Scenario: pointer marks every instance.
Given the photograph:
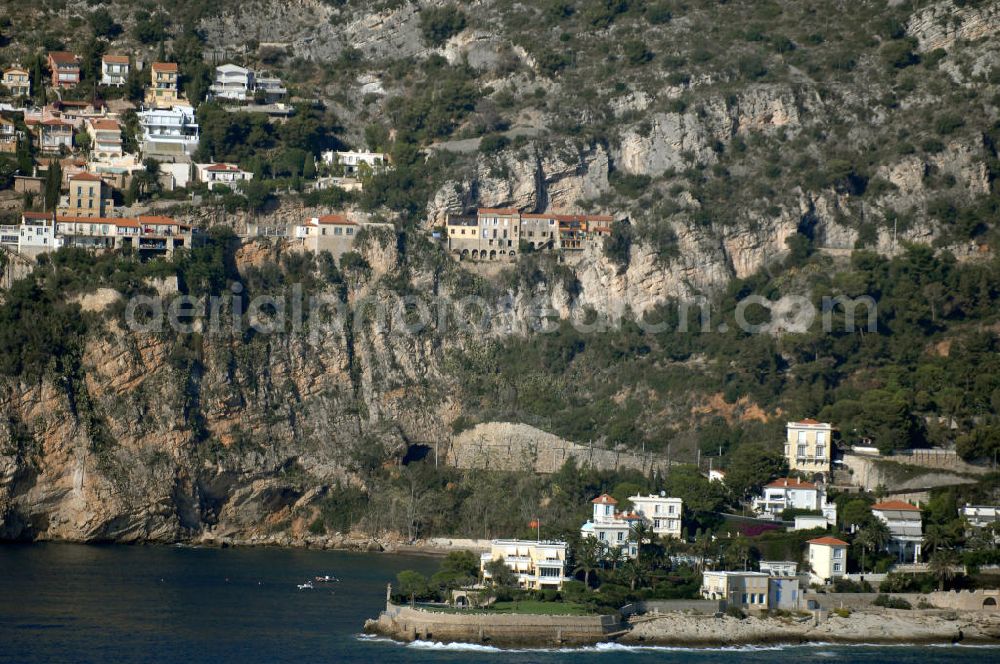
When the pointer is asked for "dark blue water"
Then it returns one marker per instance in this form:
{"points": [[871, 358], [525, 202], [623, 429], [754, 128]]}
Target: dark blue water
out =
{"points": [[67, 603]]}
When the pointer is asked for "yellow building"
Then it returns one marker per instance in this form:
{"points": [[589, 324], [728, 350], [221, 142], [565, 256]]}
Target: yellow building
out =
{"points": [[88, 196], [17, 81], [827, 559], [162, 92], [537, 565], [808, 446]]}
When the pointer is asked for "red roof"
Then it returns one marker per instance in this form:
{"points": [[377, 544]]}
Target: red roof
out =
{"points": [[165, 66], [605, 499], [36, 215], [337, 219], [157, 219], [56, 122], [809, 421], [827, 541], [498, 211], [223, 167], [895, 505], [87, 177], [116, 59], [63, 58], [790, 483], [106, 125]]}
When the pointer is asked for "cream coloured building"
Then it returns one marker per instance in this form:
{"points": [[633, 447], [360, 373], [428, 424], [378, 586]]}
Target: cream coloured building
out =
{"points": [[537, 565], [827, 559], [744, 589], [661, 512], [808, 446]]}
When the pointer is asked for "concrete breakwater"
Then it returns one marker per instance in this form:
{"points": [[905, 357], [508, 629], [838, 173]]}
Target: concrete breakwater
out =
{"points": [[405, 623]]}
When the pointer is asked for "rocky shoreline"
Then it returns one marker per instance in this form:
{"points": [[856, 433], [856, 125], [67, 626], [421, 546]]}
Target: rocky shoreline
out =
{"points": [[874, 626], [681, 629]]}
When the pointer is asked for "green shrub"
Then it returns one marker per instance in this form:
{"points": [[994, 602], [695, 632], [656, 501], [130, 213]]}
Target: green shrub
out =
{"points": [[843, 613], [439, 24], [890, 602], [735, 612]]}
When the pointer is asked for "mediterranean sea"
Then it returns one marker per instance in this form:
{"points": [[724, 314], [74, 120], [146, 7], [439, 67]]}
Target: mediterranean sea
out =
{"points": [[75, 603]]}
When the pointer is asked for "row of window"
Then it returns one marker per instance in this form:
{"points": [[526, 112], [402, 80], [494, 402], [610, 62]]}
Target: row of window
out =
{"points": [[753, 598]]}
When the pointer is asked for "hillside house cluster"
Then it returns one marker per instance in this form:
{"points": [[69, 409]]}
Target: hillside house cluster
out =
{"points": [[499, 234], [229, 175], [788, 493], [42, 232], [334, 233]]}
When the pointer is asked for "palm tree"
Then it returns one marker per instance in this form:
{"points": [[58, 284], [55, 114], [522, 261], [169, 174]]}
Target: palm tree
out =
{"points": [[634, 572], [937, 538], [703, 546], [873, 536], [640, 532], [615, 556], [588, 557], [942, 566]]}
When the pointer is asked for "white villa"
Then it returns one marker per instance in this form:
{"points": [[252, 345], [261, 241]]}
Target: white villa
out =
{"points": [[114, 70], [808, 446], [235, 83], [792, 493], [169, 132], [537, 565], [827, 559], [352, 160], [905, 526], [610, 526], [34, 235], [779, 567], [229, 175], [663, 513]]}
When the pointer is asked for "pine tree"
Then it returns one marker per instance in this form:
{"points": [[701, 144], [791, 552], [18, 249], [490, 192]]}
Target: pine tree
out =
{"points": [[53, 182]]}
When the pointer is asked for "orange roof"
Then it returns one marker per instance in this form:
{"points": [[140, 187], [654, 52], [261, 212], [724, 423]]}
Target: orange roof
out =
{"points": [[108, 125], [498, 211], [89, 220], [56, 122], [87, 177], [895, 505], [605, 499], [809, 421], [165, 66], [223, 167], [124, 223], [15, 70], [116, 59], [63, 58], [36, 215], [791, 483], [827, 541], [338, 219]]}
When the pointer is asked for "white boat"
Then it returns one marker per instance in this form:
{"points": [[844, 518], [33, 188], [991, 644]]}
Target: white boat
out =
{"points": [[306, 586]]}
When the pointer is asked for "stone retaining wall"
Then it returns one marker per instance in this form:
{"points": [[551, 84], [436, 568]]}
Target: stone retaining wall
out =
{"points": [[510, 446], [958, 600], [410, 624]]}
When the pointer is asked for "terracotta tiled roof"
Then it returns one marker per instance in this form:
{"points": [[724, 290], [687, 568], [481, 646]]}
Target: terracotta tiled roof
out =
{"points": [[56, 122], [223, 167], [809, 421], [895, 505], [337, 219], [15, 70], [106, 125], [790, 483], [63, 58], [36, 215], [827, 541], [498, 210], [605, 499], [165, 66], [86, 177], [157, 219], [116, 59]]}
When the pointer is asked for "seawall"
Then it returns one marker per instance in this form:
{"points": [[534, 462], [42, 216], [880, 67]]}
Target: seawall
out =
{"points": [[405, 623]]}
